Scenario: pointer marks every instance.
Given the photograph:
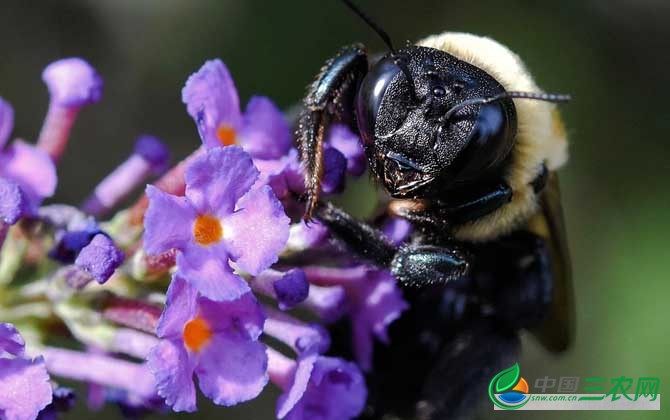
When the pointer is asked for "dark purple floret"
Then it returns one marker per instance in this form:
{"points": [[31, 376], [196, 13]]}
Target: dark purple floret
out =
{"points": [[335, 165], [153, 151], [71, 243], [291, 289]]}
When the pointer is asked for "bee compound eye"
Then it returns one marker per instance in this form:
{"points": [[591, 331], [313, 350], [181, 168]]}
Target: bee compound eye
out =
{"points": [[371, 95]]}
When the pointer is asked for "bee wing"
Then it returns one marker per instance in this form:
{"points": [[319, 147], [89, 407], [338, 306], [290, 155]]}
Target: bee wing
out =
{"points": [[556, 333]]}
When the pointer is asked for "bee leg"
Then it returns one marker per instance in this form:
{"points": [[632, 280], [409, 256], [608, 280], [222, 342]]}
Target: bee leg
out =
{"points": [[329, 98], [424, 265], [412, 265], [360, 238]]}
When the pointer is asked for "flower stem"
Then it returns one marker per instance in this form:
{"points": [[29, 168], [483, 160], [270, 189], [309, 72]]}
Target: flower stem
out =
{"points": [[100, 369], [56, 129]]}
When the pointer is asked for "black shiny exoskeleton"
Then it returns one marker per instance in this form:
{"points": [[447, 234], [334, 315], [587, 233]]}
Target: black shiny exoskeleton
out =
{"points": [[439, 131]]}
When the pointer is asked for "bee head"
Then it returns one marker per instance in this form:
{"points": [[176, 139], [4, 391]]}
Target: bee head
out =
{"points": [[424, 126]]}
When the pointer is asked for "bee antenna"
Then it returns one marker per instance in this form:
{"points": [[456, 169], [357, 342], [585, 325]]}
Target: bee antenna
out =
{"points": [[399, 59], [371, 23], [546, 97]]}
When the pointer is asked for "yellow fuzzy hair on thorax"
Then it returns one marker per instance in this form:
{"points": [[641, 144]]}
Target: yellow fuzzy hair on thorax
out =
{"points": [[540, 134]]}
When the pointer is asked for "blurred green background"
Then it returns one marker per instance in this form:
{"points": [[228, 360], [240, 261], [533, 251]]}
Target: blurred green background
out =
{"points": [[612, 55]]}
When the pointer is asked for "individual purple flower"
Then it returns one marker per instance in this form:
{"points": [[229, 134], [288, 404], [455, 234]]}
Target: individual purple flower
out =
{"points": [[262, 131], [219, 219], [374, 301], [100, 258], [72, 84], [349, 145], [24, 383], [212, 101], [289, 288], [216, 341], [26, 166], [150, 157], [317, 387]]}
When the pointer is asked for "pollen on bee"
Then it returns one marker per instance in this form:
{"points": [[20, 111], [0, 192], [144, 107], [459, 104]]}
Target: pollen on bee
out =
{"points": [[226, 135], [207, 230], [196, 333]]}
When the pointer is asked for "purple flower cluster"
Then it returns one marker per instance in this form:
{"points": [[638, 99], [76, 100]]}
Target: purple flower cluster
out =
{"points": [[220, 234]]}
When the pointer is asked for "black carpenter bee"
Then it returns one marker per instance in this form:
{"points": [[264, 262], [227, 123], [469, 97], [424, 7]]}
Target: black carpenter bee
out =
{"points": [[466, 144]]}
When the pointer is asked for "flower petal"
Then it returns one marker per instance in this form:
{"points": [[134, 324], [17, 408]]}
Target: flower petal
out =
{"points": [[211, 100], [264, 133], [173, 369], [208, 271], [232, 370], [217, 179], [241, 318], [257, 232], [10, 340], [31, 169], [168, 222], [24, 388], [180, 307], [301, 377]]}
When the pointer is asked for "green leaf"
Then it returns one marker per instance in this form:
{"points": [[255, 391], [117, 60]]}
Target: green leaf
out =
{"points": [[507, 379]]}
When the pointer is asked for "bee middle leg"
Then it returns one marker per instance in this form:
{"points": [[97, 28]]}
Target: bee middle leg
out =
{"points": [[413, 265]]}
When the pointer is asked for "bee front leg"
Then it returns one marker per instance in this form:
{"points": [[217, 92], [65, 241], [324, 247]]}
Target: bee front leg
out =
{"points": [[330, 97]]}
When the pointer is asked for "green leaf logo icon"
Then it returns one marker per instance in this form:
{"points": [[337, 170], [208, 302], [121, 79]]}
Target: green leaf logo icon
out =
{"points": [[505, 380]]}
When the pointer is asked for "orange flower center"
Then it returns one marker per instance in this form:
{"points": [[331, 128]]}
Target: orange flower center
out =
{"points": [[196, 333], [207, 230], [226, 134]]}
